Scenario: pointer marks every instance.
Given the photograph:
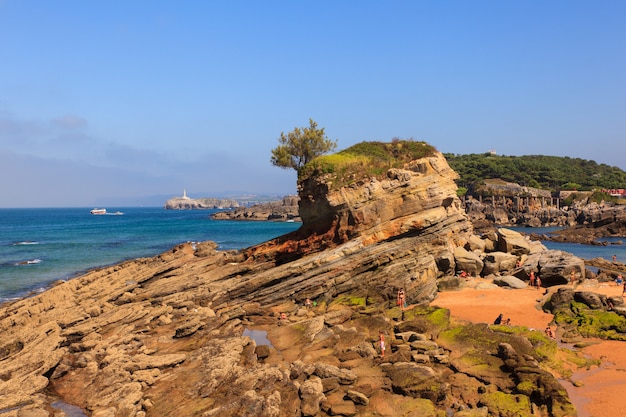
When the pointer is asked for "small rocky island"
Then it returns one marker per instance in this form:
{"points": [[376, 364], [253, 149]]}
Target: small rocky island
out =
{"points": [[177, 334], [186, 203]]}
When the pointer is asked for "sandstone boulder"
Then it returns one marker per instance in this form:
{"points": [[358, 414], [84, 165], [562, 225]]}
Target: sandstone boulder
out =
{"points": [[312, 395], [344, 376], [467, 261], [497, 262], [416, 380], [445, 262], [357, 397], [510, 281], [510, 241], [554, 266], [475, 243]]}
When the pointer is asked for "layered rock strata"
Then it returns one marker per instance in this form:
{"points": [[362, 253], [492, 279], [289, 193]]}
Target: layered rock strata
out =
{"points": [[164, 336], [590, 218]]}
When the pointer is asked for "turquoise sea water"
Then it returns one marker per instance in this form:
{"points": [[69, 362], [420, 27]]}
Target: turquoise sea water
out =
{"points": [[592, 251], [39, 246], [615, 245]]}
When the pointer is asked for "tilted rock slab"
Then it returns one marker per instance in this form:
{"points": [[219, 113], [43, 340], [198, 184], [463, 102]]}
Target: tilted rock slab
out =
{"points": [[121, 340]]}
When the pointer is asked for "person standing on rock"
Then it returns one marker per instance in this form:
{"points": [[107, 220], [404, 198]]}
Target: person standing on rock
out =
{"points": [[381, 342], [538, 281], [401, 299]]}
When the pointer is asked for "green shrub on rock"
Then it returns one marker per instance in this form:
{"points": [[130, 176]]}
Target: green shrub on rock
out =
{"points": [[506, 405], [366, 159], [593, 322]]}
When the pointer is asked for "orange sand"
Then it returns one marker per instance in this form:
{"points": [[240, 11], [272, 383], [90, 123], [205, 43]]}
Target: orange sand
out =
{"points": [[600, 394]]}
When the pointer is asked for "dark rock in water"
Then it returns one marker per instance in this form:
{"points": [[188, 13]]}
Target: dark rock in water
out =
{"points": [[283, 210], [262, 351]]}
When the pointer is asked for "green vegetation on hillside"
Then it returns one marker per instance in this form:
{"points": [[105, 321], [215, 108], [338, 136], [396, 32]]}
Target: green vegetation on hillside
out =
{"points": [[366, 159], [539, 171]]}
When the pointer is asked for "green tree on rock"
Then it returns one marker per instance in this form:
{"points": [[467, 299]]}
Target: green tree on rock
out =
{"points": [[301, 146]]}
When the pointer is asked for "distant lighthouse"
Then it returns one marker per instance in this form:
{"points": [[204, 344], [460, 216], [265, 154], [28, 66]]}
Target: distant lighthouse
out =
{"points": [[185, 194]]}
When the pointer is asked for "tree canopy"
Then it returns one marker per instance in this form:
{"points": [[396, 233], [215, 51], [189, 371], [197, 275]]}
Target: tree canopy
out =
{"points": [[539, 171], [301, 146]]}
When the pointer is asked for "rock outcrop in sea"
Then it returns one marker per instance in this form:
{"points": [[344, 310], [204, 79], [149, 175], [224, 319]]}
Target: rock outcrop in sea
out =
{"points": [[186, 203], [285, 209], [289, 327]]}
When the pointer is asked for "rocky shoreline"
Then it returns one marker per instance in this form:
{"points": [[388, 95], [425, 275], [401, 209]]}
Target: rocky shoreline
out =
{"points": [[166, 336], [283, 210]]}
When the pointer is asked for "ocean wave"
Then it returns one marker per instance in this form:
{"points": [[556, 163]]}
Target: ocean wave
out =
{"points": [[26, 242], [29, 262]]}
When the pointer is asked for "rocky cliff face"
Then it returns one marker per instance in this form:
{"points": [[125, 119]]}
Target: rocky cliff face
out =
{"points": [[406, 202], [164, 336], [506, 212], [378, 233]]}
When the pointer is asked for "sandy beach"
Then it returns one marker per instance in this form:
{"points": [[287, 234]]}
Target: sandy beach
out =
{"points": [[601, 386]]}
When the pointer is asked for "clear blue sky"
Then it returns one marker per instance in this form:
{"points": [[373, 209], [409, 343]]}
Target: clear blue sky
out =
{"points": [[111, 102]]}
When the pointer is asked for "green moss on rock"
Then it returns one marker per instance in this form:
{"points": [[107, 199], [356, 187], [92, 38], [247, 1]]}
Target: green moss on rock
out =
{"points": [[526, 388], [506, 405], [349, 300], [429, 319], [593, 322]]}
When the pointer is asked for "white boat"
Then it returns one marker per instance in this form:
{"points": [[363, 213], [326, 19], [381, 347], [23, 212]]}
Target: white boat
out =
{"points": [[98, 211]]}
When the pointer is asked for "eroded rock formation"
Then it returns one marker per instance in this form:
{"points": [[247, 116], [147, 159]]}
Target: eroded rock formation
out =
{"points": [[163, 336]]}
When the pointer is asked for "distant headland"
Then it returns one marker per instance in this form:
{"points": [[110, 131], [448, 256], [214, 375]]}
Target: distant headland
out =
{"points": [[241, 208], [186, 203]]}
